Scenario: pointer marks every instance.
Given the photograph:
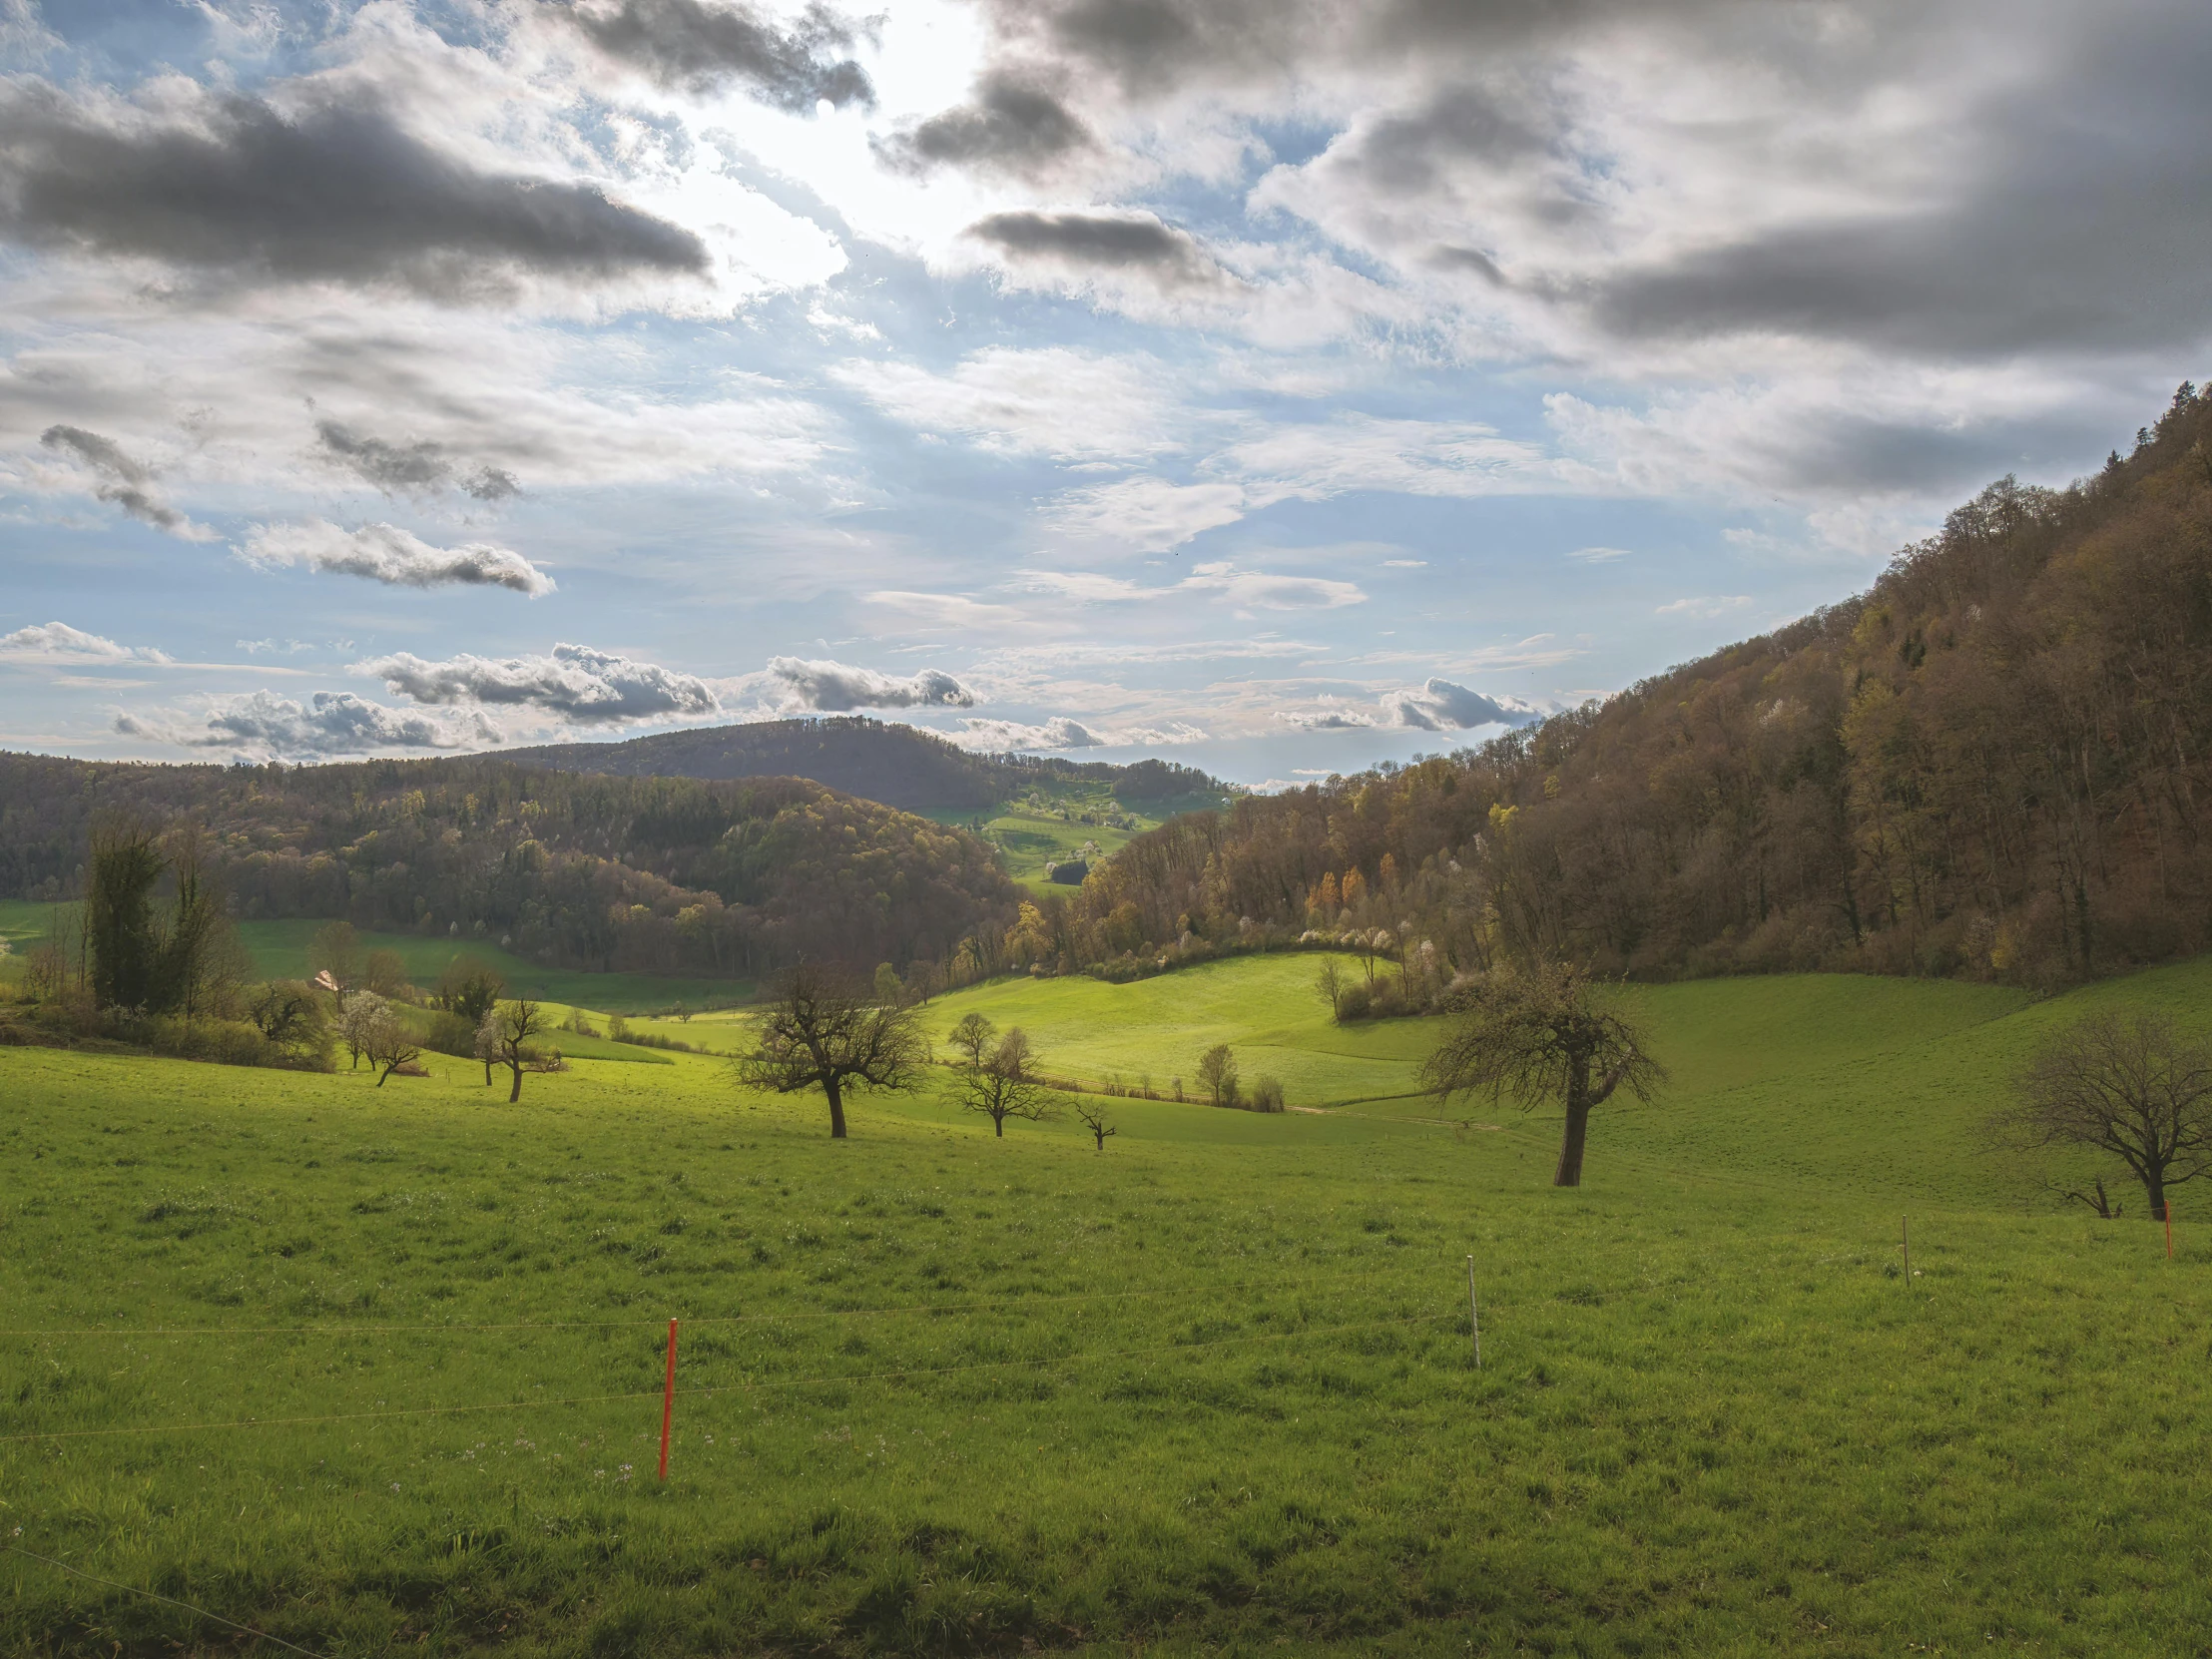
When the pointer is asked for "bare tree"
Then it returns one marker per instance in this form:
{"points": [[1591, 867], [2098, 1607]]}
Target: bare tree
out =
{"points": [[1001, 1081], [1217, 1071], [2130, 1086], [389, 1045], [823, 1033], [1545, 1035], [1329, 986], [514, 1024], [1093, 1118]]}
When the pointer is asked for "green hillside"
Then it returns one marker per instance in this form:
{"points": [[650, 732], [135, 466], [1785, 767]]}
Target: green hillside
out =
{"points": [[1206, 1391], [280, 949]]}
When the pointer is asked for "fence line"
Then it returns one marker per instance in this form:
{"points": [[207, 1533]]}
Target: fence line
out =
{"points": [[156, 1595], [729, 1388], [652, 1323]]}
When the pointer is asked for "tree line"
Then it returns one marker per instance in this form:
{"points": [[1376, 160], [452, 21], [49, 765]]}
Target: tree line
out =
{"points": [[1995, 763], [650, 874]]}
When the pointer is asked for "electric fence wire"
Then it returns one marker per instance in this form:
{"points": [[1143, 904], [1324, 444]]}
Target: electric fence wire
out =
{"points": [[156, 1595], [725, 1389], [655, 1324]]}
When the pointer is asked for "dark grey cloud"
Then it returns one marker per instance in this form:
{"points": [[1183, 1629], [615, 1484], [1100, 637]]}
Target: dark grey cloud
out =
{"points": [[334, 192], [419, 469], [124, 481], [1015, 123], [2081, 220], [330, 723], [575, 681], [694, 48], [1150, 47], [1101, 242], [397, 558], [834, 686]]}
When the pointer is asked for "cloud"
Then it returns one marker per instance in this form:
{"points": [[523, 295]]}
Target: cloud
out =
{"points": [[946, 610], [1084, 243], [1057, 733], [1436, 706], [1706, 607], [1054, 401], [419, 469], [1253, 588], [1599, 555], [1315, 460], [126, 482], [1266, 591], [1441, 706], [1148, 515], [398, 558], [836, 686], [576, 683], [330, 190], [1328, 719], [1015, 123], [327, 723], [685, 46], [57, 642]]}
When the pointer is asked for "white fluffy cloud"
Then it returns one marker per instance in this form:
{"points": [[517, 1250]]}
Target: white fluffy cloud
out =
{"points": [[398, 558], [262, 724], [574, 683], [1434, 706], [1057, 733], [834, 687], [57, 642]]}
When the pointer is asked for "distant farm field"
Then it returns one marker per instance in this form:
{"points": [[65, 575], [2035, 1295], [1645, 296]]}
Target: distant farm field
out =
{"points": [[280, 950], [370, 1368]]}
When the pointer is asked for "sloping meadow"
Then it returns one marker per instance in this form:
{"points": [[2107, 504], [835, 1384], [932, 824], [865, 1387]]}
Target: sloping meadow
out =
{"points": [[363, 1368]]}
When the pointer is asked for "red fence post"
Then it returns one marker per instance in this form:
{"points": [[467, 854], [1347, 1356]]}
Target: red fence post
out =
{"points": [[668, 1399]]}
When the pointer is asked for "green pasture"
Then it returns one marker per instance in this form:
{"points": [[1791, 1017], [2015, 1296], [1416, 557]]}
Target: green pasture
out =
{"points": [[280, 949], [371, 1369], [1045, 825]]}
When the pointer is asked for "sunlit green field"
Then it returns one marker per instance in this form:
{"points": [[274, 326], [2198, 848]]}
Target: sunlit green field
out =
{"points": [[369, 1368]]}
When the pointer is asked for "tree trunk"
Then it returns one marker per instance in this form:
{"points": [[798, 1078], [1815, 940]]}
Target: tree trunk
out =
{"points": [[837, 1108], [515, 1093], [2154, 1188], [1569, 1172], [998, 1127]]}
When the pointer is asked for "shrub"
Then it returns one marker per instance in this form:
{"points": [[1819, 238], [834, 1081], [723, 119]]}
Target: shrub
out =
{"points": [[1266, 1095]]}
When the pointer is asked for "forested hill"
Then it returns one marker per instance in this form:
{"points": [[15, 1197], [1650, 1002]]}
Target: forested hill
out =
{"points": [[1997, 762], [642, 873], [901, 766]]}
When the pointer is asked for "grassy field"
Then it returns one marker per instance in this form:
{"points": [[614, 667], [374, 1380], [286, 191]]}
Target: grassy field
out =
{"points": [[1046, 825], [370, 1368], [280, 951]]}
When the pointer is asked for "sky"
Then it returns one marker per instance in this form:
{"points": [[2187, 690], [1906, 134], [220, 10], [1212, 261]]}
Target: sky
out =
{"points": [[1272, 385]]}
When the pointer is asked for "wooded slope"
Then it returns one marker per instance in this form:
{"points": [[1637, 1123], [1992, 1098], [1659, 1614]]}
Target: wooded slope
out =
{"points": [[648, 874], [1995, 761], [901, 766]]}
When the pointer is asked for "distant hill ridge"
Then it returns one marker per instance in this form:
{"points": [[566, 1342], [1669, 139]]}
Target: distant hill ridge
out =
{"points": [[899, 766]]}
